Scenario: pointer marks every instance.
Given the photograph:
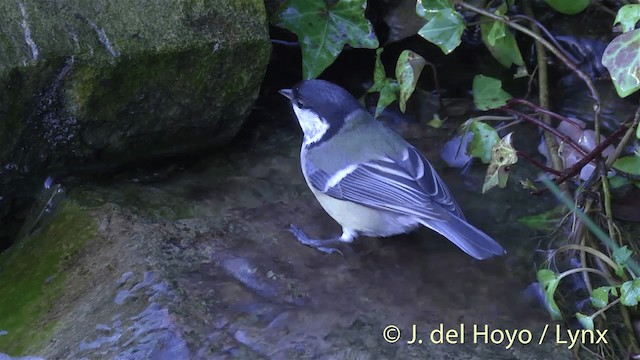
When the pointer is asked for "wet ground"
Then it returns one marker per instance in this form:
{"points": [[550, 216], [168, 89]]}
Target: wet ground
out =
{"points": [[200, 265]]}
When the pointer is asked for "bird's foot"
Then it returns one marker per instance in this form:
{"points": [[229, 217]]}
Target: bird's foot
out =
{"points": [[328, 246]]}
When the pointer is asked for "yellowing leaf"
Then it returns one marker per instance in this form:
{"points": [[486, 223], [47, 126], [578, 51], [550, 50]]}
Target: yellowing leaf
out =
{"points": [[503, 156], [408, 69]]}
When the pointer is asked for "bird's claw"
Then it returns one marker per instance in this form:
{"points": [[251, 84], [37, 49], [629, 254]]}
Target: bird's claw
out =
{"points": [[320, 245]]}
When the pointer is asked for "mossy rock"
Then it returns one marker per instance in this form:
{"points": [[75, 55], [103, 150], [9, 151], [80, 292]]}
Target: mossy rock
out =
{"points": [[33, 276], [93, 85]]}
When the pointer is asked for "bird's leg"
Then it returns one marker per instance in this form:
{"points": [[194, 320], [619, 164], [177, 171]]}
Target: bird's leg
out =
{"points": [[325, 245]]}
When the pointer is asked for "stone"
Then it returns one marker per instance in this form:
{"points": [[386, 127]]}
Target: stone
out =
{"points": [[92, 85]]}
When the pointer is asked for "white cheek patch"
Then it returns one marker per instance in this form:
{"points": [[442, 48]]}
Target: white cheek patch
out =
{"points": [[313, 126]]}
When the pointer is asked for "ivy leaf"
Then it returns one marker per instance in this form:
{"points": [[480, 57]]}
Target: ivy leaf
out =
{"points": [[568, 7], [388, 94], [387, 88], [622, 59], [444, 29], [323, 30], [620, 257], [503, 155], [628, 164], [379, 75], [547, 220], [428, 9], [500, 41], [488, 93], [436, 122], [496, 31], [630, 292], [616, 181], [628, 16], [585, 321], [408, 70], [600, 297], [549, 282], [484, 137]]}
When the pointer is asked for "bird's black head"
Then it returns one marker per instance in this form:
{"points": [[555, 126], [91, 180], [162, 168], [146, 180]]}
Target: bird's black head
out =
{"points": [[321, 107]]}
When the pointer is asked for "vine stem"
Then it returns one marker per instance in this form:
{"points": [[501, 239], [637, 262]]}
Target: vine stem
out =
{"points": [[537, 164], [575, 169], [543, 110], [625, 139], [582, 269], [590, 250], [551, 48], [548, 128], [609, 306]]}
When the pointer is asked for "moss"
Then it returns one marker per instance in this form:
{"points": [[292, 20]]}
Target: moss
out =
{"points": [[32, 276]]}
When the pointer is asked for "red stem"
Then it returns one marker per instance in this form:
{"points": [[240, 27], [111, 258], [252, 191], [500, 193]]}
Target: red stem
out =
{"points": [[547, 127], [575, 169], [538, 164], [544, 111]]}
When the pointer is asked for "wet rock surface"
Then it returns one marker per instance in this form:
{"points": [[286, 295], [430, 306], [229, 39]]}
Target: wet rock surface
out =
{"points": [[90, 86], [201, 266]]}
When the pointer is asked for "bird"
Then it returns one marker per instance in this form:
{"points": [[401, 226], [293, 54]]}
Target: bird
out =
{"points": [[368, 178]]}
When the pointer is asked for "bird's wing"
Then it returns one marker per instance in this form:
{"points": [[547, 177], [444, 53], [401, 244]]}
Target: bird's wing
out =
{"points": [[405, 184]]}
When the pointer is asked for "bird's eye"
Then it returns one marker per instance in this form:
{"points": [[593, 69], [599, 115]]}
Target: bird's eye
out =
{"points": [[301, 104]]}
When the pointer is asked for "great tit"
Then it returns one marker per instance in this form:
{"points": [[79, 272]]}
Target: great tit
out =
{"points": [[368, 178]]}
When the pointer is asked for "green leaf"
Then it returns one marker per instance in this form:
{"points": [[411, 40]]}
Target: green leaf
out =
{"points": [[638, 131], [484, 137], [431, 8], [600, 297], [628, 16], [379, 74], [436, 122], [388, 94], [500, 41], [505, 48], [621, 255], [549, 282], [585, 321], [488, 93], [408, 69], [323, 30], [503, 156], [628, 164], [622, 59], [444, 29], [630, 292], [521, 72], [388, 88], [616, 181], [545, 221], [568, 7], [497, 30]]}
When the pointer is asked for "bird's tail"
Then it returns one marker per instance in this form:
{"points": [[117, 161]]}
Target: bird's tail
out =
{"points": [[471, 240]]}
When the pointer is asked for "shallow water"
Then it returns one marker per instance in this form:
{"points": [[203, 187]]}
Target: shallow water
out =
{"points": [[197, 263], [264, 294]]}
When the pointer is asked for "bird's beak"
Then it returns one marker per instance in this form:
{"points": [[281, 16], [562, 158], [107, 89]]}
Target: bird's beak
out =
{"points": [[286, 93]]}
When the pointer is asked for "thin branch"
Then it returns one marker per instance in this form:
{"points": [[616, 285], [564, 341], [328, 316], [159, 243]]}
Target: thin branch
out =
{"points": [[550, 47], [547, 34], [575, 169], [538, 164], [543, 110], [547, 127], [625, 139]]}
